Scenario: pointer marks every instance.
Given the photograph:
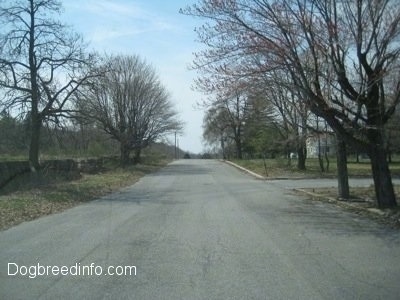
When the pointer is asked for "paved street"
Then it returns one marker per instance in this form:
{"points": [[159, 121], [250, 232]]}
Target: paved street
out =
{"points": [[201, 229]]}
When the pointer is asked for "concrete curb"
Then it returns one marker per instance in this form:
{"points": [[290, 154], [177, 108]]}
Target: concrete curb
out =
{"points": [[258, 176], [370, 210], [315, 195]]}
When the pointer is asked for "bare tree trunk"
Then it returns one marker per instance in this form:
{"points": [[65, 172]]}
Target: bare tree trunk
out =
{"points": [[125, 153], [36, 121], [389, 151], [382, 178], [301, 144], [326, 148], [287, 154], [320, 159], [223, 145], [327, 161], [138, 152], [342, 172], [384, 191], [238, 143], [239, 151], [36, 124], [301, 155]]}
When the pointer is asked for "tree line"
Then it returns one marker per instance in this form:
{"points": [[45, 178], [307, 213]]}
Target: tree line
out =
{"points": [[315, 64], [49, 80], [72, 140]]}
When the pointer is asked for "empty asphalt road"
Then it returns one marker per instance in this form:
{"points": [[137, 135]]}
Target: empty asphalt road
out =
{"points": [[201, 230]]}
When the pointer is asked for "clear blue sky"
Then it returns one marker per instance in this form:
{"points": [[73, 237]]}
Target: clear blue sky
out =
{"points": [[156, 31]]}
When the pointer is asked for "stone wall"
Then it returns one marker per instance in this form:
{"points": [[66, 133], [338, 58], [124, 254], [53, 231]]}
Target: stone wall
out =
{"points": [[11, 169]]}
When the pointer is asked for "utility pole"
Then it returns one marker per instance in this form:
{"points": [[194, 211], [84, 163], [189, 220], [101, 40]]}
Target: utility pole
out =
{"points": [[175, 145], [178, 148]]}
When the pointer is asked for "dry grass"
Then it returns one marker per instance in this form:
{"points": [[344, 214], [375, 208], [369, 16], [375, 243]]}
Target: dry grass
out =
{"points": [[57, 195]]}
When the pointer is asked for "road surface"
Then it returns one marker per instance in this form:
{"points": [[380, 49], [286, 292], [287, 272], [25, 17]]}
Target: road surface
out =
{"points": [[201, 229]]}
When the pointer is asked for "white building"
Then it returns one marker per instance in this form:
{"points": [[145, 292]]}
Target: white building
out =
{"points": [[321, 143]]}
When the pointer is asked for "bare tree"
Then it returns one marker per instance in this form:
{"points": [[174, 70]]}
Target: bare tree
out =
{"points": [[291, 114], [358, 39], [41, 64], [130, 104]]}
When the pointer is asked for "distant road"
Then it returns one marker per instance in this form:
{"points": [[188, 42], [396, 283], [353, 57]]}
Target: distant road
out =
{"points": [[200, 229]]}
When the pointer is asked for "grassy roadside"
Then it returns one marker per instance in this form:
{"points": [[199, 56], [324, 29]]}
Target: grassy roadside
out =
{"points": [[57, 195], [279, 168]]}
